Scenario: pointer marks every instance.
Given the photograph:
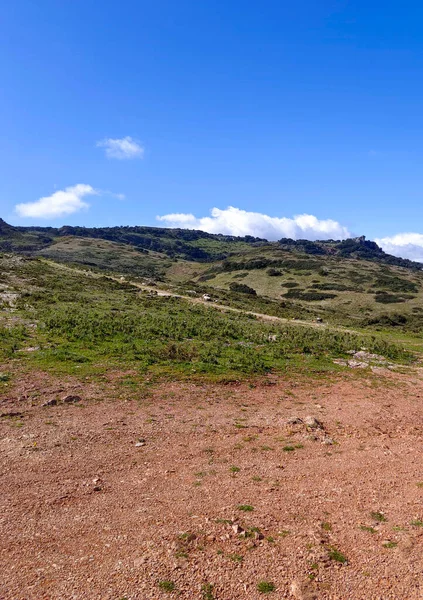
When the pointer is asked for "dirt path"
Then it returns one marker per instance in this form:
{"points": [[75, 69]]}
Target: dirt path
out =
{"points": [[224, 491], [209, 304]]}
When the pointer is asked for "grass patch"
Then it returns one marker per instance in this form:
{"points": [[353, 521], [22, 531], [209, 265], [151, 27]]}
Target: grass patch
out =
{"points": [[245, 507], [207, 591], [368, 529], [337, 556], [378, 516], [265, 587], [236, 557], [167, 586], [390, 544], [417, 523]]}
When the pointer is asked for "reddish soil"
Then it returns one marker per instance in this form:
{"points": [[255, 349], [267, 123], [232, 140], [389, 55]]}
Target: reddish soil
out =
{"points": [[87, 514]]}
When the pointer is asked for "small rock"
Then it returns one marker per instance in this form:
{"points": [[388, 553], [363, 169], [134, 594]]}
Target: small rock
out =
{"points": [[294, 421], [340, 361], [141, 442], [357, 364], [312, 422], [138, 562], [237, 528], [71, 399], [328, 441], [52, 402], [11, 414]]}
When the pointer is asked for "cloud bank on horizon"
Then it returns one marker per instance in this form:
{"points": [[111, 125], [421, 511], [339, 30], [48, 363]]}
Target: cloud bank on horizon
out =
{"points": [[405, 245], [229, 221], [234, 221], [238, 222]]}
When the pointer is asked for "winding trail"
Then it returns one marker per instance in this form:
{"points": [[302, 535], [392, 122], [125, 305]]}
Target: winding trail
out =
{"points": [[198, 300]]}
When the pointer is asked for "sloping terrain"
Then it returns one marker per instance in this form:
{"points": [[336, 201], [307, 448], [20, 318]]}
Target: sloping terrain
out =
{"points": [[155, 444], [352, 282], [77, 321]]}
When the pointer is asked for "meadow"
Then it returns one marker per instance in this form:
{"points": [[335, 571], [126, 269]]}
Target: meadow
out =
{"points": [[86, 323]]}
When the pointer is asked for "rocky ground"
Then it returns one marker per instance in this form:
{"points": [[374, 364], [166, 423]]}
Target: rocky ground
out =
{"points": [[284, 489]]}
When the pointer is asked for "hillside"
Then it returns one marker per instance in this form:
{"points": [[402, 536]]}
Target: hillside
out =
{"points": [[188, 244], [215, 437], [351, 282]]}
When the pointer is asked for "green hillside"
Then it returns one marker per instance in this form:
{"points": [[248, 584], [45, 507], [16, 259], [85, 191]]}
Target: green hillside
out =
{"points": [[351, 282], [59, 318]]}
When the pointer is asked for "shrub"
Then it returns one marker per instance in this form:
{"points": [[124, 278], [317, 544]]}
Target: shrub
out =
{"points": [[167, 586], [290, 284], [265, 587], [242, 288], [385, 298], [339, 287], [396, 284], [309, 296]]}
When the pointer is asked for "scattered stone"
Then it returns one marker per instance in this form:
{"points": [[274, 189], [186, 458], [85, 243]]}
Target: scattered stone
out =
{"points": [[237, 529], [294, 421], [328, 441], [357, 364], [141, 442], [71, 399], [52, 402], [312, 422], [363, 355]]}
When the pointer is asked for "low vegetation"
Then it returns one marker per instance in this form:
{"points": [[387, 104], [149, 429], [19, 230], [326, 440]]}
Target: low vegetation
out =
{"points": [[351, 282], [81, 321]]}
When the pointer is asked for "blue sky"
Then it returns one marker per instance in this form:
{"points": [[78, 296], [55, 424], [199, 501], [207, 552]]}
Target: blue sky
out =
{"points": [[272, 107]]}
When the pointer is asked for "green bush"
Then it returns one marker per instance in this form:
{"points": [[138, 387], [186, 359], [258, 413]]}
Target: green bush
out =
{"points": [[272, 272], [242, 288], [385, 298], [290, 284], [308, 296]]}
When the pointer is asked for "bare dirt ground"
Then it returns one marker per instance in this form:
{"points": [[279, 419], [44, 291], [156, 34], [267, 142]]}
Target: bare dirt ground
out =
{"points": [[115, 495]]}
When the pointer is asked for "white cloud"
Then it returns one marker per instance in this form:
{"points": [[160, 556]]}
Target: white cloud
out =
{"points": [[121, 148], [62, 202], [405, 245], [234, 221]]}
